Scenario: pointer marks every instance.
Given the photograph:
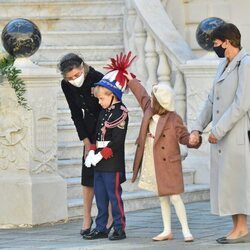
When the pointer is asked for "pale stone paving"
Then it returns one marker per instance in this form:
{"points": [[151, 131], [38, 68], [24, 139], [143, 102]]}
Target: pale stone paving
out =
{"points": [[141, 227]]}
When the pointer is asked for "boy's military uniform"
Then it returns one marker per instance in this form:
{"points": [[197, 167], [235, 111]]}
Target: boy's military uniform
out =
{"points": [[109, 155], [111, 131], [110, 171]]}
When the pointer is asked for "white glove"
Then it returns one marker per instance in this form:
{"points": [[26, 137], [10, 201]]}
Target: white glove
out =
{"points": [[96, 158], [88, 159]]}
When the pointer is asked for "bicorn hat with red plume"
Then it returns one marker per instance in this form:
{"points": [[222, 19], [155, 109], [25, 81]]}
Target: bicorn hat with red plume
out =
{"points": [[115, 80]]}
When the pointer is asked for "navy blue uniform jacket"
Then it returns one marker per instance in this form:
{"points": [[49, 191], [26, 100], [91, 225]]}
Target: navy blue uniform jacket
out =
{"points": [[113, 154]]}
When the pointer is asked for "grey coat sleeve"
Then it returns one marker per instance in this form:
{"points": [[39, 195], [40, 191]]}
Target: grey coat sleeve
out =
{"points": [[205, 116]]}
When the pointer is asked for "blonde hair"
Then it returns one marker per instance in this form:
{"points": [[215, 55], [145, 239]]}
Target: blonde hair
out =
{"points": [[100, 89], [157, 108]]}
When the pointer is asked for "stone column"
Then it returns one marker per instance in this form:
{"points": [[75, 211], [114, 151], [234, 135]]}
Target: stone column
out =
{"points": [[199, 76], [31, 191]]}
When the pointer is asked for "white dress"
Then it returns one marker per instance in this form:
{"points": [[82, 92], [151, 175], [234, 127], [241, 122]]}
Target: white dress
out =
{"points": [[147, 178]]}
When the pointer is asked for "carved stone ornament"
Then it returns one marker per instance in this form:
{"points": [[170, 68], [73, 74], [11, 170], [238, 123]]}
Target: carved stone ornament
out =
{"points": [[45, 136], [13, 132]]}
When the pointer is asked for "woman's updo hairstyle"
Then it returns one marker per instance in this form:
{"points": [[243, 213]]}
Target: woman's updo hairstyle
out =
{"points": [[69, 62]]}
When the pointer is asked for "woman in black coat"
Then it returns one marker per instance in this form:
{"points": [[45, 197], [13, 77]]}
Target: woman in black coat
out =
{"points": [[78, 87]]}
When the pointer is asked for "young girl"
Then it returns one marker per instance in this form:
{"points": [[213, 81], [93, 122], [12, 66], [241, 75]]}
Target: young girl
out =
{"points": [[158, 152]]}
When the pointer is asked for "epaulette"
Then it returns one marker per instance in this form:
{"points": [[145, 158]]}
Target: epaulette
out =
{"points": [[116, 122]]}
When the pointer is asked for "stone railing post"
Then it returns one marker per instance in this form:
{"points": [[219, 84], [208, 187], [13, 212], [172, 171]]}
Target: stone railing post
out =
{"points": [[199, 75], [129, 26], [31, 191], [140, 40], [180, 94], [151, 60], [163, 69]]}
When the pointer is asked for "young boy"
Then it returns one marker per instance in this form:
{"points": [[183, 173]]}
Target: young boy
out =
{"points": [[107, 155]]}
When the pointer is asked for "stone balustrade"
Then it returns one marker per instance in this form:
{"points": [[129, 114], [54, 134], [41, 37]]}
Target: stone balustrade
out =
{"points": [[160, 48], [164, 56]]}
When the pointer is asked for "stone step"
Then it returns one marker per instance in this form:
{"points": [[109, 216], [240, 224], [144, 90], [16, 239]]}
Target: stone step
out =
{"points": [[64, 116], [74, 188], [71, 168], [97, 65], [142, 200], [127, 98], [47, 8], [72, 150], [67, 133], [83, 38], [73, 23], [49, 1], [91, 53]]}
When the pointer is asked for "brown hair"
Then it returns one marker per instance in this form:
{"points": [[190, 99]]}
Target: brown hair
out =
{"points": [[157, 108], [227, 31]]}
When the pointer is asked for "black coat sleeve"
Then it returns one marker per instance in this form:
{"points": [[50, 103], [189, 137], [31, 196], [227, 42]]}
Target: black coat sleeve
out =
{"points": [[76, 113]]}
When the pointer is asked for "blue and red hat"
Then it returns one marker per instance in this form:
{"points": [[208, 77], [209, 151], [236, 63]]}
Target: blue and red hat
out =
{"points": [[115, 80]]}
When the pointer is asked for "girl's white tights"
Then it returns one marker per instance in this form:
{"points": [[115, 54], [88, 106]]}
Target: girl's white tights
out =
{"points": [[180, 212]]}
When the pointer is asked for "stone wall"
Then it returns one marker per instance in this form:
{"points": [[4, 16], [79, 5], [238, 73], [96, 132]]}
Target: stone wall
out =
{"points": [[187, 14]]}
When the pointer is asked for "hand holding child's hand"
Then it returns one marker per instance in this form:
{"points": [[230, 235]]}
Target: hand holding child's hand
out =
{"points": [[194, 138]]}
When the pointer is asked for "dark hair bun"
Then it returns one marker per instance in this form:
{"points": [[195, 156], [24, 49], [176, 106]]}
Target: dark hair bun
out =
{"points": [[70, 61]]}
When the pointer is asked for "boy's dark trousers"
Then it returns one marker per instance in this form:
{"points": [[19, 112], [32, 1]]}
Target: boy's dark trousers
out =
{"points": [[107, 187]]}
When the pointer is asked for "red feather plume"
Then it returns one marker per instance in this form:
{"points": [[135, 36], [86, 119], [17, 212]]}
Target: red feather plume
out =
{"points": [[121, 63]]}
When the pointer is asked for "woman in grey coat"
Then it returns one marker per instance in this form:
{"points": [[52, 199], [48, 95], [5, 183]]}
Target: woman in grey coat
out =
{"points": [[227, 107]]}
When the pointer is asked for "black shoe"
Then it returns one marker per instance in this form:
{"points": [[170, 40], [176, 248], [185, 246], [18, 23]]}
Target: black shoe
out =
{"points": [[109, 229], [221, 238], [118, 235], [95, 234], [242, 239], [86, 231]]}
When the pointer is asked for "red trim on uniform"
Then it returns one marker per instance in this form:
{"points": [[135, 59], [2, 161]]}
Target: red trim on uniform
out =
{"points": [[118, 197], [92, 147], [106, 153]]}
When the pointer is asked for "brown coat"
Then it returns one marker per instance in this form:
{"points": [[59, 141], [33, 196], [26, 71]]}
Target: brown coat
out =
{"points": [[169, 132]]}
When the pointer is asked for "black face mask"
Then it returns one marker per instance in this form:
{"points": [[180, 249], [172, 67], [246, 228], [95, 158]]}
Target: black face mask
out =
{"points": [[219, 51]]}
